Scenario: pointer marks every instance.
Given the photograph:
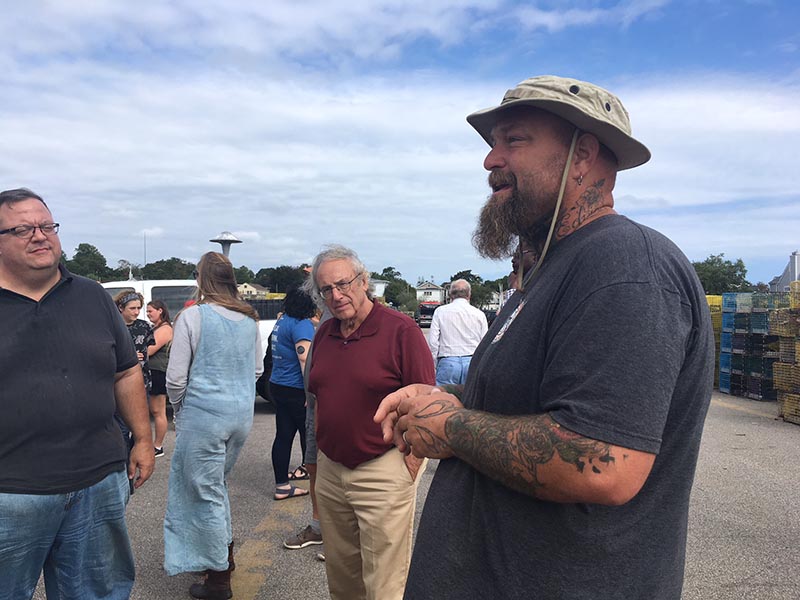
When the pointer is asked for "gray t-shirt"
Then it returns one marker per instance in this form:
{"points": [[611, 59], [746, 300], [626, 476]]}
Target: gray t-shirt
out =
{"points": [[613, 338]]}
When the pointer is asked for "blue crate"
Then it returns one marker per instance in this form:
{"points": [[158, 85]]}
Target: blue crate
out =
{"points": [[741, 302], [728, 321], [725, 383], [729, 302], [759, 323], [726, 342], [725, 362]]}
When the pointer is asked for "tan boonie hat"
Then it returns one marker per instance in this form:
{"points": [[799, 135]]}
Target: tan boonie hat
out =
{"points": [[585, 105]]}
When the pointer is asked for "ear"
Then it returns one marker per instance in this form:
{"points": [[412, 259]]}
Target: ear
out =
{"points": [[587, 151]]}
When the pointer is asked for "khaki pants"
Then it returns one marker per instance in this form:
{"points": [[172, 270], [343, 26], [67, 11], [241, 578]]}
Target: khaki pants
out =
{"points": [[367, 519]]}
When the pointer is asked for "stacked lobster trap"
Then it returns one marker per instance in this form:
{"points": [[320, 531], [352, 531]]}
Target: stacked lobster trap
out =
{"points": [[760, 348], [785, 323]]}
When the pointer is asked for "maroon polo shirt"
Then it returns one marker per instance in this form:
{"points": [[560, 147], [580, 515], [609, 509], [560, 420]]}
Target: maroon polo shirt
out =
{"points": [[350, 376]]}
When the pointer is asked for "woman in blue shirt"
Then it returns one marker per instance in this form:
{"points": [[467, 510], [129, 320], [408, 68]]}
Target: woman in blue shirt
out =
{"points": [[291, 340]]}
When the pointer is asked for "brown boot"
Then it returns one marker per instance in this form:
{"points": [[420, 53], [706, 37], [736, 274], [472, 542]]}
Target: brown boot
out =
{"points": [[231, 564], [217, 586]]}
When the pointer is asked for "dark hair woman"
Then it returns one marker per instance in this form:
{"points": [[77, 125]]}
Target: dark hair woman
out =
{"points": [[290, 341], [158, 354], [130, 304], [214, 362]]}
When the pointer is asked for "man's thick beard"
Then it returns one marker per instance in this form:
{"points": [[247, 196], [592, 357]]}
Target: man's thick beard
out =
{"points": [[502, 223]]}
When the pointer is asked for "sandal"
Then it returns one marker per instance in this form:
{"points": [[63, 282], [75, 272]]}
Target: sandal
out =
{"points": [[291, 492], [299, 474]]}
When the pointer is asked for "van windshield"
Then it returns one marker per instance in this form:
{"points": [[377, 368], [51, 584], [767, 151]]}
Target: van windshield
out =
{"points": [[174, 296], [427, 309]]}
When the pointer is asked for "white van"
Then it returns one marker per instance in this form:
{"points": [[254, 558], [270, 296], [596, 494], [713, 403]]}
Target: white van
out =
{"points": [[174, 293]]}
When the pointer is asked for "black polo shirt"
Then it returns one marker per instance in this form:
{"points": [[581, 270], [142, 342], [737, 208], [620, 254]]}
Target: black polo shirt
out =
{"points": [[58, 360]]}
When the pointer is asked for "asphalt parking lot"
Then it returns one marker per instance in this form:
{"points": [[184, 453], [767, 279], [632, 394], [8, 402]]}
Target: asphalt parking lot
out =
{"points": [[744, 534]]}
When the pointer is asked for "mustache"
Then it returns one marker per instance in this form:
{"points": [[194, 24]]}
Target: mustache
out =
{"points": [[497, 179]]}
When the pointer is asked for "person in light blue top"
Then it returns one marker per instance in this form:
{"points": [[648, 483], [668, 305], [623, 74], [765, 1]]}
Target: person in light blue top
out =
{"points": [[214, 362], [291, 341]]}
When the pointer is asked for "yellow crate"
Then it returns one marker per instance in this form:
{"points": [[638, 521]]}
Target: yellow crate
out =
{"points": [[794, 294], [785, 377], [784, 322], [790, 408], [786, 350]]}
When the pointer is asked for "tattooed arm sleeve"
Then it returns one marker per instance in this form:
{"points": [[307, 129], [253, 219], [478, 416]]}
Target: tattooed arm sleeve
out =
{"points": [[536, 456]]}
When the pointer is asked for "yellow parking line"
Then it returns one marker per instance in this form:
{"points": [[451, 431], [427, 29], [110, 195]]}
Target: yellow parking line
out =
{"points": [[254, 556]]}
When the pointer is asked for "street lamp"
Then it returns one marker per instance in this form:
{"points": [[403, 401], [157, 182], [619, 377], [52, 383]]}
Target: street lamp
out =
{"points": [[225, 239]]}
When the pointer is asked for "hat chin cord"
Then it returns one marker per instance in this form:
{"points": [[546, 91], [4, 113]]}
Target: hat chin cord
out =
{"points": [[540, 260]]}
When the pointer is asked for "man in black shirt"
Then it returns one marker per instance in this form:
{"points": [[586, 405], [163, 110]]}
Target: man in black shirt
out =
{"points": [[567, 470], [67, 363]]}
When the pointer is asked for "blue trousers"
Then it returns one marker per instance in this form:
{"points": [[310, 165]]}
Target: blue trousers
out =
{"points": [[452, 369], [79, 539]]}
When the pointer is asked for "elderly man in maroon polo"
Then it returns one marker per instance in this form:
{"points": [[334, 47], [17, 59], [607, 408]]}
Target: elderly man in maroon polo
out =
{"points": [[366, 488]]}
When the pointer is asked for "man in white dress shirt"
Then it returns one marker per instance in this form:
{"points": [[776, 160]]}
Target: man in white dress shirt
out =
{"points": [[456, 330]]}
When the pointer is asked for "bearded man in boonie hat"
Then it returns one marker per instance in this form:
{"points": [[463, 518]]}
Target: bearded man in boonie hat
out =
{"points": [[567, 459]]}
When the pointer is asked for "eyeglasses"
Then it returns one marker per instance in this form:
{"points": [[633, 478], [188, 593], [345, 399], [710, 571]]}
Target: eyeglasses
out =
{"points": [[195, 273], [27, 231], [343, 287]]}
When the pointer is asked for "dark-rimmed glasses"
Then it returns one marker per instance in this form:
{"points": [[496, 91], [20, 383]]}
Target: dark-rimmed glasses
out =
{"points": [[27, 231], [342, 287]]}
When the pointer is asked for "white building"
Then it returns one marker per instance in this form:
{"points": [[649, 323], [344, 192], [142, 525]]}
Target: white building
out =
{"points": [[790, 273], [430, 292], [252, 291], [378, 287]]}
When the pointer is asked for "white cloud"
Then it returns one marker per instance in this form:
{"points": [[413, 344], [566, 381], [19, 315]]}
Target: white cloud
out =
{"points": [[359, 29], [195, 121], [563, 16]]}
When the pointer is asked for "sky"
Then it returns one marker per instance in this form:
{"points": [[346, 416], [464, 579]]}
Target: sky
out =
{"points": [[151, 127]]}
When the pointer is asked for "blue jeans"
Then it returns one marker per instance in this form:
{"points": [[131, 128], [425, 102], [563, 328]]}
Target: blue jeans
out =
{"points": [[80, 540], [452, 369]]}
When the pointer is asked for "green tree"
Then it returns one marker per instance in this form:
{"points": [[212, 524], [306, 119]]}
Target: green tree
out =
{"points": [[125, 270], [169, 268], [280, 279], [89, 262], [399, 293], [469, 276], [244, 275], [390, 274], [718, 275]]}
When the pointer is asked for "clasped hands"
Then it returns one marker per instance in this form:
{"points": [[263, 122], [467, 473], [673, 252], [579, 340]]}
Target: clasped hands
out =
{"points": [[414, 418]]}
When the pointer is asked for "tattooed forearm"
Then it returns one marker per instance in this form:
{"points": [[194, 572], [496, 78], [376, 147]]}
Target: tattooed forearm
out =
{"points": [[512, 449]]}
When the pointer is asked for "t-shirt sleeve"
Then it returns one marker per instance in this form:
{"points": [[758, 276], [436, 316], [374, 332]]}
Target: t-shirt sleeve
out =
{"points": [[613, 362], [303, 331], [416, 357], [259, 354], [186, 332]]}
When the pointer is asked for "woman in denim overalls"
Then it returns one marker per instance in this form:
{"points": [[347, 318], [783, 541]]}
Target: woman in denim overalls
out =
{"points": [[214, 362]]}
